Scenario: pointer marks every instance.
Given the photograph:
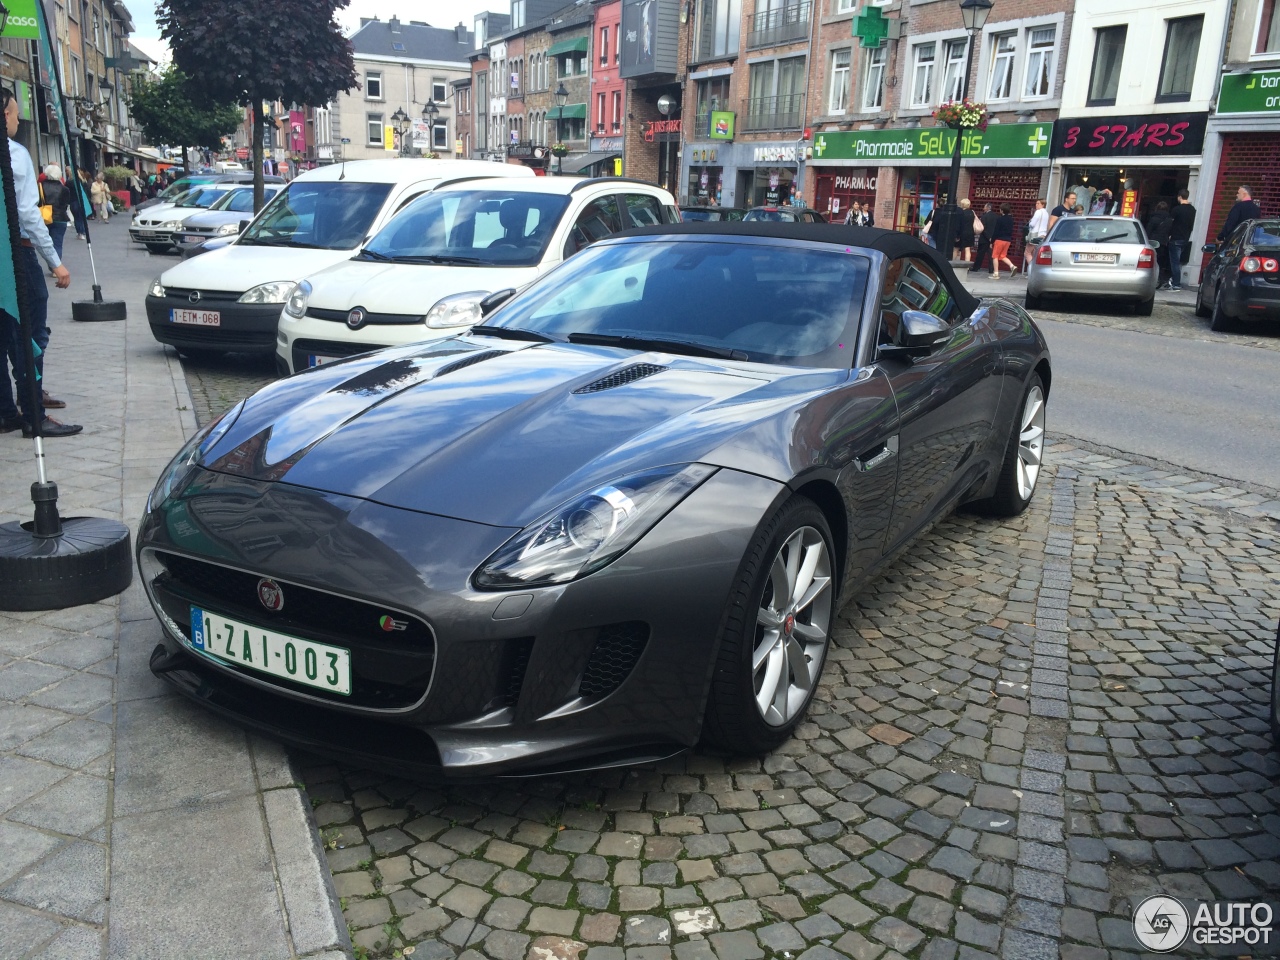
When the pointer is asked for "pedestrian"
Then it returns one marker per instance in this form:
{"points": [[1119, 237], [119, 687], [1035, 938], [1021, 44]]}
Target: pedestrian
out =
{"points": [[1184, 219], [54, 193], [1064, 209], [1001, 239], [853, 214], [34, 239], [926, 231], [966, 231], [1078, 211], [868, 217], [100, 197], [1159, 225], [1037, 230], [1245, 208], [988, 223]]}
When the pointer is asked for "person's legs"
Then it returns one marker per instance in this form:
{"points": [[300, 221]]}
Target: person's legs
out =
{"points": [[1175, 263], [999, 255], [38, 302], [57, 233]]}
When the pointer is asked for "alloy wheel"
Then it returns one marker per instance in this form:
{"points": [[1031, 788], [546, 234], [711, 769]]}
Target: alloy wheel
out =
{"points": [[1031, 442], [792, 626]]}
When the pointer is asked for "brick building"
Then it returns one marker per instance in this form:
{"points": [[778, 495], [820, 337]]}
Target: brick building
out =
{"points": [[653, 64], [607, 110]]}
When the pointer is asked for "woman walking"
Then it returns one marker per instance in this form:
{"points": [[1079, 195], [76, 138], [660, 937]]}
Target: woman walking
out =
{"points": [[100, 197], [1000, 242], [965, 231], [1037, 230], [54, 193]]}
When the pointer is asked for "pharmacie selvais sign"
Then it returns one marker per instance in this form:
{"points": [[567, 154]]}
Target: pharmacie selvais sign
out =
{"points": [[1000, 141]]}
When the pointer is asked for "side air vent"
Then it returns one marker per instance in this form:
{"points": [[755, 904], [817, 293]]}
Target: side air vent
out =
{"points": [[467, 361], [618, 647], [637, 371]]}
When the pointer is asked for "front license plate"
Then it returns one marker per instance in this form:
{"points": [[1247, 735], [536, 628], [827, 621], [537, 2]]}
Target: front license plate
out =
{"points": [[315, 359], [1095, 257], [196, 318], [302, 661]]}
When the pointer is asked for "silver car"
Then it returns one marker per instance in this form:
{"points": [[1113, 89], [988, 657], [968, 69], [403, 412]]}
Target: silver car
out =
{"points": [[1095, 257], [223, 219]]}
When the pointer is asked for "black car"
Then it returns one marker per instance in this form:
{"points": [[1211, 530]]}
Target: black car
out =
{"points": [[616, 517], [712, 214], [784, 215], [1241, 281]]}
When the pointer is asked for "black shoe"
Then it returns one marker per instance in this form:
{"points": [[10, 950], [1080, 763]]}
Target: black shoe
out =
{"points": [[9, 424], [52, 428]]}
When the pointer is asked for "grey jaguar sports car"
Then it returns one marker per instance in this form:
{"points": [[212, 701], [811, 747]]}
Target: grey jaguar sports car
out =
{"points": [[614, 518]]}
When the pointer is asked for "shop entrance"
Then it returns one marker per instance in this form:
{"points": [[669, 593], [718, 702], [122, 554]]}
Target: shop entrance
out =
{"points": [[836, 192], [705, 186], [772, 187], [1135, 191], [917, 193]]}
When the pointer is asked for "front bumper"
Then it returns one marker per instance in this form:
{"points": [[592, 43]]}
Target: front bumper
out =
{"points": [[1085, 281], [150, 235], [311, 341], [514, 680], [243, 327]]}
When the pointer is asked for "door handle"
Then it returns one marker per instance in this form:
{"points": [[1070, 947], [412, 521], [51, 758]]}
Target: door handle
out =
{"points": [[878, 454]]}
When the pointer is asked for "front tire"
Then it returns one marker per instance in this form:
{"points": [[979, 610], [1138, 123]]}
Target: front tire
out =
{"points": [[776, 632], [1020, 469]]}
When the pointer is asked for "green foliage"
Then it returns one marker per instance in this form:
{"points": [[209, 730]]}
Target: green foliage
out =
{"points": [[117, 177], [170, 109]]}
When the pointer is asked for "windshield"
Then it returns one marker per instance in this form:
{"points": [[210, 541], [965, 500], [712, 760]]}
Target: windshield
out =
{"points": [[476, 227], [1096, 230], [324, 214], [241, 201], [772, 216], [202, 197], [181, 186], [768, 302]]}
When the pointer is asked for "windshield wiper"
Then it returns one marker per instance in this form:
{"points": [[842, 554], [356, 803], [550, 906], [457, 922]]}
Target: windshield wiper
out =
{"points": [[1115, 236], [373, 255], [657, 343], [256, 242], [437, 258], [512, 333]]}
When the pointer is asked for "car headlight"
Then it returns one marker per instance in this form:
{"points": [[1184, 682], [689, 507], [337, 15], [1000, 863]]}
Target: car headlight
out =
{"points": [[277, 291], [156, 289], [227, 229], [297, 304], [589, 531], [459, 310], [190, 454], [171, 225]]}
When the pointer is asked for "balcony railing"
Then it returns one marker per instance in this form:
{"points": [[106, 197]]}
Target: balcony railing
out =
{"points": [[776, 113], [781, 25]]}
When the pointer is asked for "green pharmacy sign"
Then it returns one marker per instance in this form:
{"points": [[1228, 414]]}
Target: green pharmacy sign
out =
{"points": [[1257, 92], [721, 127], [24, 20], [1000, 141], [871, 27]]}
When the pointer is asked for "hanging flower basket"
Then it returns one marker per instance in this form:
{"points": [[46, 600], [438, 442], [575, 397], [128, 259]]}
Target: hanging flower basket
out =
{"points": [[559, 149], [966, 114]]}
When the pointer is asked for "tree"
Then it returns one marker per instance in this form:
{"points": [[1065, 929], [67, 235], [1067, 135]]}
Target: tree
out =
{"points": [[248, 52], [169, 109]]}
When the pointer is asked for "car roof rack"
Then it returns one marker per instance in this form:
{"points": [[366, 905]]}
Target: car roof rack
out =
{"points": [[592, 181]]}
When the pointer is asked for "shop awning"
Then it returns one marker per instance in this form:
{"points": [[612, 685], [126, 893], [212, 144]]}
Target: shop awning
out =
{"points": [[576, 45], [570, 111], [578, 164]]}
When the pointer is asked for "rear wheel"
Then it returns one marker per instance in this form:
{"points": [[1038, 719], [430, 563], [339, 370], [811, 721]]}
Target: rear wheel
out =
{"points": [[1143, 307], [776, 632], [1020, 470], [1220, 322], [1201, 309]]}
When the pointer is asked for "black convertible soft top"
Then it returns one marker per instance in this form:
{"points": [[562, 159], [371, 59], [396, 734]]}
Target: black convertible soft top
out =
{"points": [[889, 242]]}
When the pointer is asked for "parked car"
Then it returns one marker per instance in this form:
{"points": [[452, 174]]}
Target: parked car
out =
{"points": [[429, 270], [223, 219], [230, 299], [154, 227], [784, 215], [1241, 281], [1095, 256], [185, 183], [618, 516], [714, 214]]}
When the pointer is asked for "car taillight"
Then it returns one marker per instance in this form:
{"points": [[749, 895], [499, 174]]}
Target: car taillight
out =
{"points": [[1147, 258], [1044, 255], [1260, 265]]}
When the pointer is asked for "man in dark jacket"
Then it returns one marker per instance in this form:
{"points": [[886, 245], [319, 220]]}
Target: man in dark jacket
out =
{"points": [[988, 221], [1243, 209], [1159, 225], [1184, 219]]}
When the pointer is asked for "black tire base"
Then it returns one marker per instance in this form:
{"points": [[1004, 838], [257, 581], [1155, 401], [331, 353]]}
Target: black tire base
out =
{"points": [[96, 311], [89, 562]]}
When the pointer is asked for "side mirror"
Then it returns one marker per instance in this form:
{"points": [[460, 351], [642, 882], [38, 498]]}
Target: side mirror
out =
{"points": [[1209, 248], [494, 300], [244, 225], [918, 333]]}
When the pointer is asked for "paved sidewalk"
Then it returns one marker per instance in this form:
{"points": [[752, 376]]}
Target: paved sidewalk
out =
{"points": [[133, 825]]}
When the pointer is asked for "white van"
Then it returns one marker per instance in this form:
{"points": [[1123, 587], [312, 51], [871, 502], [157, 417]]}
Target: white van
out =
{"points": [[230, 299]]}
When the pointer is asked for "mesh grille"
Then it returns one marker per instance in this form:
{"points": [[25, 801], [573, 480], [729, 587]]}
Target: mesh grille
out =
{"points": [[518, 651], [637, 371], [209, 296], [617, 649], [480, 357]]}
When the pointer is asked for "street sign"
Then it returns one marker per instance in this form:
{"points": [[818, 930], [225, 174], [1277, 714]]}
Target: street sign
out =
{"points": [[345, 140]]}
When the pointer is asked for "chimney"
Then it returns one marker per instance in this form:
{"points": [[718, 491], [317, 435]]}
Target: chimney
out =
{"points": [[395, 24], [461, 31]]}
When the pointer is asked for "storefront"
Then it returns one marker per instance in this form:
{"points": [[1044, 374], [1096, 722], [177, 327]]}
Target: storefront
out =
{"points": [[835, 193], [704, 180], [771, 179], [744, 174]]}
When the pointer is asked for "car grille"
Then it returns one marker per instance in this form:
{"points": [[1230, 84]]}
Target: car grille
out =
{"points": [[619, 378], [370, 319], [206, 296], [389, 670], [618, 646]]}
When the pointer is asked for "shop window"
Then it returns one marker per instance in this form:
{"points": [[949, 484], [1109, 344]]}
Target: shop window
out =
{"points": [[838, 99], [373, 85], [873, 79], [374, 123], [1041, 62], [1004, 47], [1108, 54], [1268, 38], [1178, 69], [922, 76], [953, 77]]}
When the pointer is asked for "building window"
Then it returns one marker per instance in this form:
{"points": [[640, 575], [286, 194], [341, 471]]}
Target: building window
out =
{"points": [[373, 85], [1108, 54], [374, 122], [838, 99], [517, 14], [439, 91], [843, 6], [922, 77], [953, 78], [604, 46], [1178, 69], [873, 80], [1268, 41], [1000, 86], [440, 136], [718, 28], [617, 110], [1041, 62], [600, 116]]}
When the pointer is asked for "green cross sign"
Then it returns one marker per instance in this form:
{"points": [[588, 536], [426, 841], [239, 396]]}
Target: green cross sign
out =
{"points": [[820, 146], [1037, 140], [871, 27]]}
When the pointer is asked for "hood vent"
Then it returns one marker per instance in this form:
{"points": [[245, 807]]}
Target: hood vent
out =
{"points": [[467, 361], [619, 378]]}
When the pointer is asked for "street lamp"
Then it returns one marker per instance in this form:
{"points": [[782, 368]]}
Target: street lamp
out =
{"points": [[429, 114], [974, 13], [561, 96], [401, 120]]}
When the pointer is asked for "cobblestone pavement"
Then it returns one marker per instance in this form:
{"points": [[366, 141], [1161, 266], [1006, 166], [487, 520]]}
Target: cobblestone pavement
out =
{"points": [[1024, 728], [1170, 320]]}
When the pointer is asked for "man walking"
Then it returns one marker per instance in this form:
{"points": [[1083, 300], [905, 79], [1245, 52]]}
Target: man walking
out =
{"points": [[1243, 209], [35, 237], [1184, 218]]}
